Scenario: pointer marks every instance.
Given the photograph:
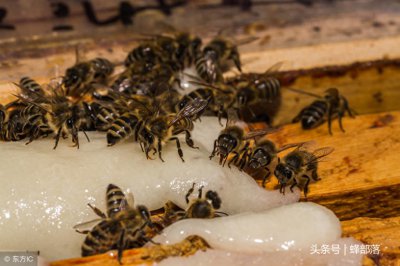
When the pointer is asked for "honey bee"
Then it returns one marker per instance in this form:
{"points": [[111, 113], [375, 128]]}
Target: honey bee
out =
{"points": [[234, 140], [262, 155], [220, 96], [63, 114], [209, 63], [202, 208], [121, 228], [157, 130], [299, 168], [333, 104], [145, 52], [259, 92], [84, 73]]}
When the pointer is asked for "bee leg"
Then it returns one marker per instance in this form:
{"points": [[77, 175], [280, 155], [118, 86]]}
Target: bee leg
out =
{"points": [[214, 150], [57, 138], [330, 120], [200, 192], [97, 211], [141, 145], [159, 150], [266, 177], [190, 191], [84, 232], [234, 159], [178, 145], [340, 116], [220, 113], [347, 107], [121, 246], [282, 189], [306, 186], [314, 175], [292, 186], [189, 140], [87, 137]]}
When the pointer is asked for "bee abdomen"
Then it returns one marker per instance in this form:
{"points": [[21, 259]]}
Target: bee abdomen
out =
{"points": [[102, 67], [269, 89], [314, 114], [97, 241], [115, 198], [105, 118], [30, 85], [122, 128]]}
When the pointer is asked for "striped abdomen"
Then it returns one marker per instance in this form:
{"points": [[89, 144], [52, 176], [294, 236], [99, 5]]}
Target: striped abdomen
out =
{"points": [[122, 128], [143, 53], [314, 114], [103, 237], [102, 68], [29, 85], [104, 118], [115, 200], [269, 89], [207, 68]]}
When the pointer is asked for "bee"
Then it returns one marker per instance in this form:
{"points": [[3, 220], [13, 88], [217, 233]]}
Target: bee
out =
{"points": [[233, 140], [82, 74], [299, 168], [121, 228], [331, 105], [146, 52], [263, 155], [221, 97], [257, 91], [123, 127], [157, 130], [201, 208], [209, 63], [65, 114]]}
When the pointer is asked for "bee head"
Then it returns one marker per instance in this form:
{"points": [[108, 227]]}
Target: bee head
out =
{"points": [[283, 173], [226, 144], [214, 198], [201, 209], [259, 159]]}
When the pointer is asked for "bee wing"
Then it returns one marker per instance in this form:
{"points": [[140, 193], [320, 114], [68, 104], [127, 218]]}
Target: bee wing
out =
{"points": [[319, 154], [130, 200], [274, 68], [232, 117], [87, 225], [259, 133], [192, 108], [291, 145]]}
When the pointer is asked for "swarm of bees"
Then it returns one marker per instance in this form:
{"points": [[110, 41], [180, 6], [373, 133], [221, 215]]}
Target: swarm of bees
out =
{"points": [[147, 103]]}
